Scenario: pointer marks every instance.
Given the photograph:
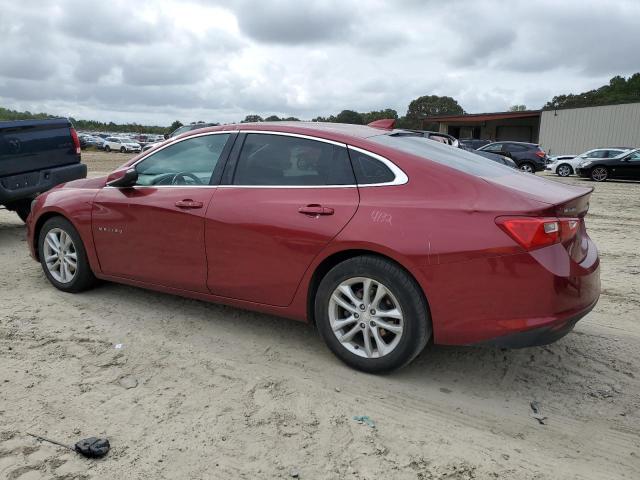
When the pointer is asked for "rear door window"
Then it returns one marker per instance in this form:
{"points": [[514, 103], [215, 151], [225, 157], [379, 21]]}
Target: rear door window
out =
{"points": [[282, 160], [496, 147]]}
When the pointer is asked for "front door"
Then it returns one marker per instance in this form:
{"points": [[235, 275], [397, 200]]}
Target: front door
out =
{"points": [[288, 198], [154, 231], [629, 167]]}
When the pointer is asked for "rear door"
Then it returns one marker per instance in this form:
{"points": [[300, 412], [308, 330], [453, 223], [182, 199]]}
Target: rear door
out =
{"points": [[286, 197]]}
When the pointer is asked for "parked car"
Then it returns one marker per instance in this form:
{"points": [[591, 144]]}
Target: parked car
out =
{"points": [[437, 136], [529, 157], [495, 157], [188, 128], [452, 141], [35, 156], [123, 145], [149, 146], [567, 166], [563, 161], [473, 143], [626, 166], [383, 242]]}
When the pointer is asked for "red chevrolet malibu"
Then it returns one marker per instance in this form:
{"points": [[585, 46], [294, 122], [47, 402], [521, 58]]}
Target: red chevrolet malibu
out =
{"points": [[382, 240]]}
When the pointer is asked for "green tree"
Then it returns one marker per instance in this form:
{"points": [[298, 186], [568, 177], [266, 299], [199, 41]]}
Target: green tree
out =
{"points": [[252, 119], [619, 90], [272, 118], [379, 115], [349, 116], [517, 108], [428, 106]]}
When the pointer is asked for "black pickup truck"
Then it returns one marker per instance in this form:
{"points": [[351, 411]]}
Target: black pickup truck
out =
{"points": [[35, 156]]}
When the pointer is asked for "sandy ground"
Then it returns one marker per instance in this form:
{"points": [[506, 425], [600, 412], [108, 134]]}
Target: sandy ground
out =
{"points": [[204, 391]]}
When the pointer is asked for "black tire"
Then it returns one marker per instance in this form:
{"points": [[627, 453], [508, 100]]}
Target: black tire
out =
{"points": [[107, 148], [417, 322], [527, 167], [22, 208], [123, 150], [84, 278], [564, 172], [599, 174]]}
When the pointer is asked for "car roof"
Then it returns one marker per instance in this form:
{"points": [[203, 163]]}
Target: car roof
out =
{"points": [[513, 141], [319, 129]]}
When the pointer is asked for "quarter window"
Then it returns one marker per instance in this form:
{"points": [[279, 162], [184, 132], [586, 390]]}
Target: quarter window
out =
{"points": [[370, 170], [189, 162], [280, 160]]}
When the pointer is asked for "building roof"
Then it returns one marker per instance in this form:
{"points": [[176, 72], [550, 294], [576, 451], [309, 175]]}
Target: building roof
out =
{"points": [[483, 117]]}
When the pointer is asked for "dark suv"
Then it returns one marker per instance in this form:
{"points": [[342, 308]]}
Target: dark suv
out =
{"points": [[528, 156]]}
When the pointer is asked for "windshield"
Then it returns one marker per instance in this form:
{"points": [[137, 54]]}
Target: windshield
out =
{"points": [[453, 157]]}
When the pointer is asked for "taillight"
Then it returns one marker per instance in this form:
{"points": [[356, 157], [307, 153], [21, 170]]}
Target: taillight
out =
{"points": [[76, 140], [541, 153], [537, 232]]}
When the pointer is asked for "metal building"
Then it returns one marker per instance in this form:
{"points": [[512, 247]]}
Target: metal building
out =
{"points": [[520, 126], [577, 130]]}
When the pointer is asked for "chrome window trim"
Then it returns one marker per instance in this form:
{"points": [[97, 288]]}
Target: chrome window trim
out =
{"points": [[400, 177]]}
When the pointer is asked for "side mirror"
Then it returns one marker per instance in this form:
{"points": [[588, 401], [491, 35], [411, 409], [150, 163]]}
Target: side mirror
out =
{"points": [[123, 178]]}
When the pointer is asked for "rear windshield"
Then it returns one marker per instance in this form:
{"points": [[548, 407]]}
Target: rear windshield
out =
{"points": [[453, 157]]}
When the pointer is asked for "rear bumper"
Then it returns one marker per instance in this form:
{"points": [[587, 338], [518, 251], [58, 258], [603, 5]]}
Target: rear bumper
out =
{"points": [[522, 299], [27, 185], [538, 336]]}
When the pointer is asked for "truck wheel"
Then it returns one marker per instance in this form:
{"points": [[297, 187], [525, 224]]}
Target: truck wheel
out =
{"points": [[63, 256], [107, 148], [372, 314], [23, 210]]}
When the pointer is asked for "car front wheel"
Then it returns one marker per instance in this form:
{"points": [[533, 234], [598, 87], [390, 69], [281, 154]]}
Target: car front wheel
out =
{"points": [[564, 170], [599, 174], [372, 314], [107, 148], [123, 150], [63, 256]]}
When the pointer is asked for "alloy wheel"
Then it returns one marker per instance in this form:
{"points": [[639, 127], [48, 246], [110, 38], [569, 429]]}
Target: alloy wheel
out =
{"points": [[564, 170], [599, 174], [60, 255], [527, 168], [366, 317]]}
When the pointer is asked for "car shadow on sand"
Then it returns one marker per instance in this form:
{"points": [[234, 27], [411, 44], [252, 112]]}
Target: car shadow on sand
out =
{"points": [[482, 370]]}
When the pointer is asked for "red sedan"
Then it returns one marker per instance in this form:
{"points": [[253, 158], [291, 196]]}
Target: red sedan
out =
{"points": [[382, 240]]}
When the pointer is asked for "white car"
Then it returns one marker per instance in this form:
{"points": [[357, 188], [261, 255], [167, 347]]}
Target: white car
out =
{"points": [[123, 145], [565, 165]]}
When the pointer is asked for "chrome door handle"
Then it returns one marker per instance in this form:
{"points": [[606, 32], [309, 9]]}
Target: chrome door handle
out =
{"points": [[188, 204], [314, 210]]}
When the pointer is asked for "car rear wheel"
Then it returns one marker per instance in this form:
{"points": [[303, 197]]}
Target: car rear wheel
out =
{"points": [[107, 148], [63, 256], [599, 174], [564, 170], [372, 314], [527, 167]]}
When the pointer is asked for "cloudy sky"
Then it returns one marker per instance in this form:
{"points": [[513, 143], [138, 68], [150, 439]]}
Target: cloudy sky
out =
{"points": [[154, 61]]}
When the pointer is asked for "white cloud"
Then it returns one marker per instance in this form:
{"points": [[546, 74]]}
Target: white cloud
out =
{"points": [[154, 61]]}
